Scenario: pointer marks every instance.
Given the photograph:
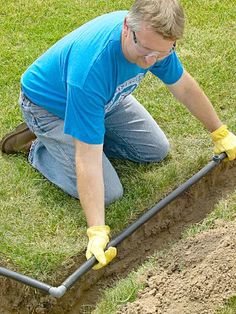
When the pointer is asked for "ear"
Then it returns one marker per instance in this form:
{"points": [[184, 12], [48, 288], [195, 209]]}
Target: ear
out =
{"points": [[125, 27]]}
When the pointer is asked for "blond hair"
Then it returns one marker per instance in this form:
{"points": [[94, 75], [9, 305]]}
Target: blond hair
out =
{"points": [[165, 17]]}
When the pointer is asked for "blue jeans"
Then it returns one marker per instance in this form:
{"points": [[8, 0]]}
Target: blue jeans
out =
{"points": [[131, 133]]}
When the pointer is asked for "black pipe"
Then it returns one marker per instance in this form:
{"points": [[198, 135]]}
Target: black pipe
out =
{"points": [[165, 201], [69, 282], [145, 217], [24, 279]]}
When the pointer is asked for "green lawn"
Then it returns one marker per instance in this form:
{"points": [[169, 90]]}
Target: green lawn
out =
{"points": [[229, 308], [41, 227]]}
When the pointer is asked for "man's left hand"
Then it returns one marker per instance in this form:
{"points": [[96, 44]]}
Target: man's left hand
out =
{"points": [[224, 141]]}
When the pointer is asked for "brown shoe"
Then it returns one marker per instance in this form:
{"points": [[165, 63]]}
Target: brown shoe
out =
{"points": [[17, 141]]}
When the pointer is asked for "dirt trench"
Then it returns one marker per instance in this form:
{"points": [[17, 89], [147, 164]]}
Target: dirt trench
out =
{"points": [[166, 227]]}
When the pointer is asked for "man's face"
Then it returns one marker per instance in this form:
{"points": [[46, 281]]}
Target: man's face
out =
{"points": [[145, 47]]}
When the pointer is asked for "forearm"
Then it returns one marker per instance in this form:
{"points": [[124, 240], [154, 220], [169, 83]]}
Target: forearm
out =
{"points": [[90, 182], [188, 92], [91, 194], [89, 169]]}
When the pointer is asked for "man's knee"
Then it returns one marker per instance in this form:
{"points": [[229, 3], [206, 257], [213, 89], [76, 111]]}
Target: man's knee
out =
{"points": [[113, 193], [156, 152], [162, 150]]}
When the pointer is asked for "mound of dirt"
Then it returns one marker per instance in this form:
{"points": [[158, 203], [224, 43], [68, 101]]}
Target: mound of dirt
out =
{"points": [[196, 275]]}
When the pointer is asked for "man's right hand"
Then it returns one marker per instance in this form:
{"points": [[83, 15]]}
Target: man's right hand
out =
{"points": [[98, 239], [224, 141]]}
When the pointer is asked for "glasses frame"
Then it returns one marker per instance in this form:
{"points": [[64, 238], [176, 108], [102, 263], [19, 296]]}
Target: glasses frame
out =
{"points": [[153, 53]]}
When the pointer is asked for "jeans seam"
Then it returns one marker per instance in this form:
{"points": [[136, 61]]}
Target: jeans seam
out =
{"points": [[67, 158]]}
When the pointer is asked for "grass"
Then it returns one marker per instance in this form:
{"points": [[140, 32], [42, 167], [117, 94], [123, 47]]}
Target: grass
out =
{"points": [[229, 307], [225, 210], [41, 227], [126, 290]]}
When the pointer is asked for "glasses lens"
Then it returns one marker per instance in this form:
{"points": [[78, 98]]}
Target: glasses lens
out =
{"points": [[154, 53]]}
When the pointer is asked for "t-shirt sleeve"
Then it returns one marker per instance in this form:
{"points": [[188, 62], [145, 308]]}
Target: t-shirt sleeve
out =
{"points": [[84, 116], [169, 69]]}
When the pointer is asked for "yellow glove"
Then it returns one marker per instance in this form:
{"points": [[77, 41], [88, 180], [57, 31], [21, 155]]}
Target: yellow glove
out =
{"points": [[224, 141], [98, 239]]}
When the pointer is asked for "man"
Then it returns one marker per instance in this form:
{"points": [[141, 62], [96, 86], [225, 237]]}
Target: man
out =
{"points": [[76, 100]]}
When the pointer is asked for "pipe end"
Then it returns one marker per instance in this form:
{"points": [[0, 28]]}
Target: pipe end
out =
{"points": [[57, 292], [216, 159]]}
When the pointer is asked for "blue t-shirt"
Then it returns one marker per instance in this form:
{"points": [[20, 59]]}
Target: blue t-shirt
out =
{"points": [[85, 75]]}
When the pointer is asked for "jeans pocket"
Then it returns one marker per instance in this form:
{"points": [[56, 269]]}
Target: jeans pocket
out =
{"points": [[38, 119], [26, 112], [43, 119]]}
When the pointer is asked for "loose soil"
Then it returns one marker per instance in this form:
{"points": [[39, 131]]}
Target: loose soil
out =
{"points": [[196, 276], [157, 234]]}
